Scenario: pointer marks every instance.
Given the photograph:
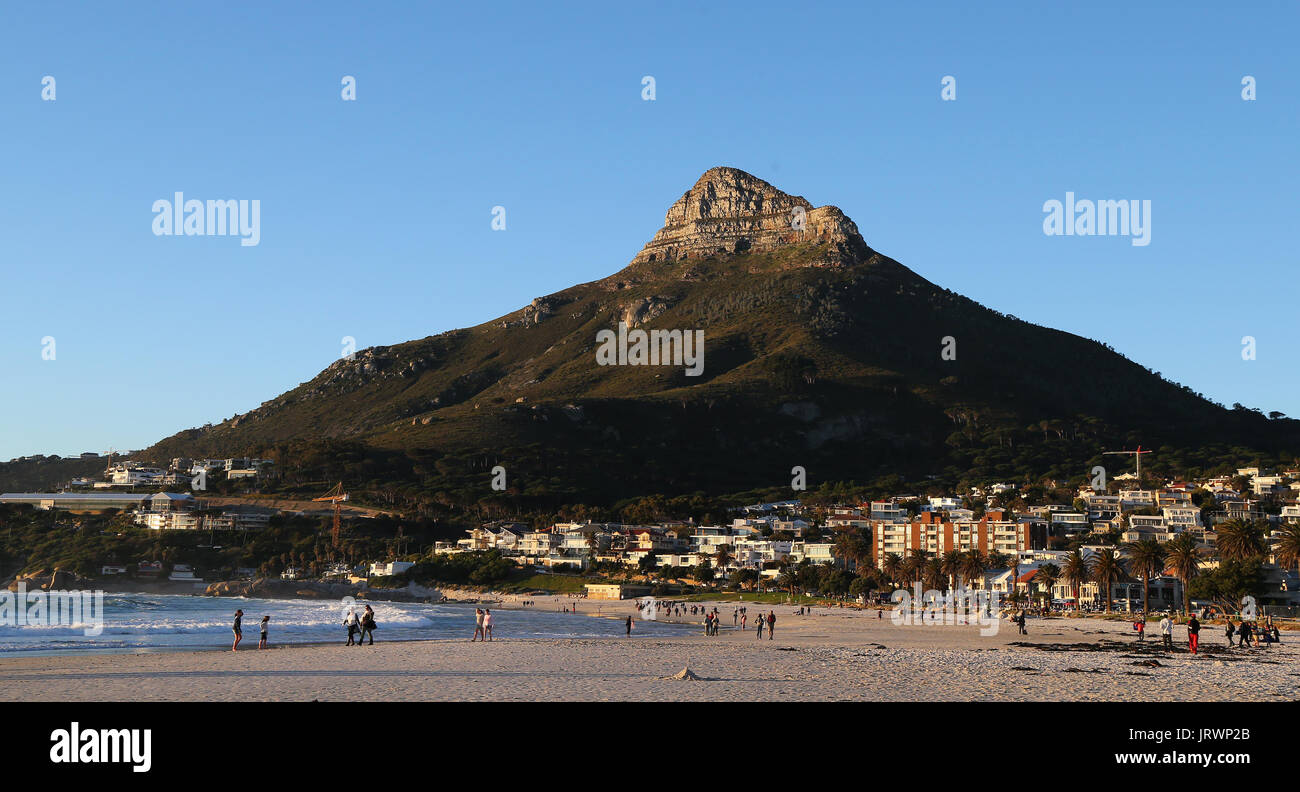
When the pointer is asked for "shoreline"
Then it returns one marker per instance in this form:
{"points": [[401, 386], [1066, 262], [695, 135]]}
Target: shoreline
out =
{"points": [[831, 654]]}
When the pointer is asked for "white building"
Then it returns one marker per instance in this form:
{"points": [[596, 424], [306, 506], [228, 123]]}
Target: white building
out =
{"points": [[390, 568]]}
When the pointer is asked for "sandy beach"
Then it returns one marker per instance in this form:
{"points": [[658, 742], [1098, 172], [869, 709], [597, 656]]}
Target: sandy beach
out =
{"points": [[831, 655]]}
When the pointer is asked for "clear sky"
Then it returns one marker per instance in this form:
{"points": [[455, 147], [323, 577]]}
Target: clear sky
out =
{"points": [[376, 213]]}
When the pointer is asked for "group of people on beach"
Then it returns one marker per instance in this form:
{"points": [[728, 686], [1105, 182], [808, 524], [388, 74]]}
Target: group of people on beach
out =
{"points": [[238, 628], [482, 625], [359, 627], [1248, 633], [1167, 631]]}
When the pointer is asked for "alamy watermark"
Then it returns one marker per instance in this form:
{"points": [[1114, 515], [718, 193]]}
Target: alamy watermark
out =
{"points": [[179, 217], [77, 744], [651, 348], [960, 606], [1084, 217], [23, 608]]}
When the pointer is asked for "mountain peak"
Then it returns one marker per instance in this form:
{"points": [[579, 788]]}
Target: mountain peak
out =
{"points": [[729, 211]]}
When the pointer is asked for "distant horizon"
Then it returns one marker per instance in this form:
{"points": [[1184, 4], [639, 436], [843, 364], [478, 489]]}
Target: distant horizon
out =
{"points": [[372, 217]]}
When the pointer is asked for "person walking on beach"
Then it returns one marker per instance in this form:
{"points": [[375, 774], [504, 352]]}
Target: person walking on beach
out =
{"points": [[1243, 634], [743, 619], [1167, 631], [487, 624], [262, 643], [1141, 626], [1228, 631], [238, 627], [760, 626], [771, 624], [367, 626], [478, 624], [629, 626], [1193, 633], [351, 622]]}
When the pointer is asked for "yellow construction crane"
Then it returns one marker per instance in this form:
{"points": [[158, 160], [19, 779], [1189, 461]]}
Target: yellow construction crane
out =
{"points": [[334, 496]]}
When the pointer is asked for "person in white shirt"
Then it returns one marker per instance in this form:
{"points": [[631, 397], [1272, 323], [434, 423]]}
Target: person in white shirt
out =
{"points": [[487, 625], [1167, 631]]}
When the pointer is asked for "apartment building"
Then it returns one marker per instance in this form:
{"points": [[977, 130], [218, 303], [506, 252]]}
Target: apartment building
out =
{"points": [[991, 534]]}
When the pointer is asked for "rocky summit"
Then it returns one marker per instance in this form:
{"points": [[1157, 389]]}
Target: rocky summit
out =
{"points": [[729, 211], [820, 353]]}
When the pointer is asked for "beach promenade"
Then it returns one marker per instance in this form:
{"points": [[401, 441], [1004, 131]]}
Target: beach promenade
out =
{"points": [[831, 655]]}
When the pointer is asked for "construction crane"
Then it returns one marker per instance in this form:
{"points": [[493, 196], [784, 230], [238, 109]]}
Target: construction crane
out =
{"points": [[334, 496], [1136, 455]]}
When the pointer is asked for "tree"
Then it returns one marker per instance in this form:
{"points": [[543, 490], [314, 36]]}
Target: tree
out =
{"points": [[1286, 545], [1146, 558], [1045, 578], [974, 565], [862, 585], [1076, 572], [933, 573], [745, 577], [787, 579], [837, 582], [723, 555], [850, 546], [1239, 540], [950, 564], [914, 566], [1227, 585], [892, 567], [1106, 568], [998, 560], [647, 563], [1185, 558]]}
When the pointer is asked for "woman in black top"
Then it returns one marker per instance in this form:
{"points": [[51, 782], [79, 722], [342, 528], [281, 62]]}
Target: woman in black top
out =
{"points": [[239, 630], [367, 626]]}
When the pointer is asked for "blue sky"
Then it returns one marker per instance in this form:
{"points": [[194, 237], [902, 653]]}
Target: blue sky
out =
{"points": [[376, 214]]}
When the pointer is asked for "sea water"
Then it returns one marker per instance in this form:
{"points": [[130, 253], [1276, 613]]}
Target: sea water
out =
{"points": [[154, 622]]}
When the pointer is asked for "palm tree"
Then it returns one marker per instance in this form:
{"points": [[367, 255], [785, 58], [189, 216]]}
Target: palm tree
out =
{"points": [[1286, 545], [1146, 558], [1077, 572], [787, 579], [1185, 557], [850, 546], [998, 560], [933, 573], [915, 564], [892, 567], [1046, 577], [1106, 568], [723, 556], [1239, 540], [951, 566], [974, 565]]}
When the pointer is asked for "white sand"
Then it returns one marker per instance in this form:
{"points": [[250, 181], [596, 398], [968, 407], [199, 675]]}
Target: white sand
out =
{"points": [[831, 655]]}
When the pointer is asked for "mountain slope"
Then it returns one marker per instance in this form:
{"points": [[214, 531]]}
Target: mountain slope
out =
{"points": [[819, 352]]}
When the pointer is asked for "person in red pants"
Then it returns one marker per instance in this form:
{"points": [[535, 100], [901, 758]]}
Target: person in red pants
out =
{"points": [[1193, 633]]}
